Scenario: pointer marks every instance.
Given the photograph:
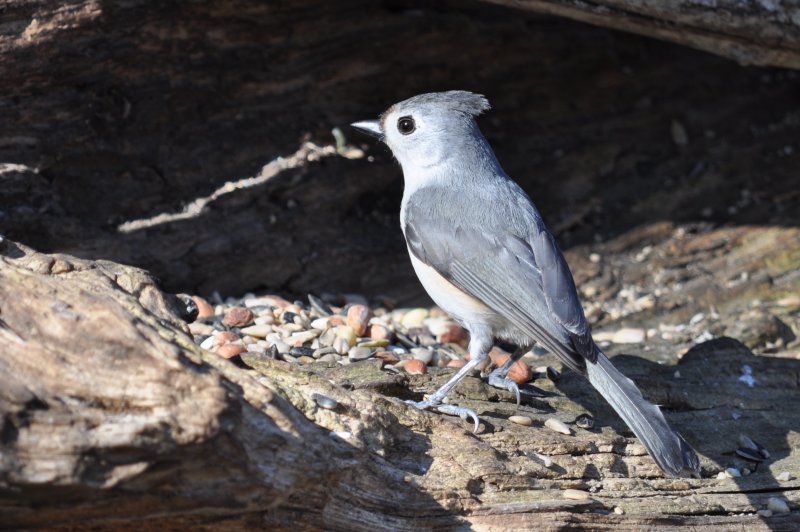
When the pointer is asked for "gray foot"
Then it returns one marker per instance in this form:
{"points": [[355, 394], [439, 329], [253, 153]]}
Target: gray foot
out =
{"points": [[498, 379], [453, 410]]}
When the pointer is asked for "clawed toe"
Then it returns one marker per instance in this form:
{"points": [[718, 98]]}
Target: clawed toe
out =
{"points": [[504, 383], [453, 410]]}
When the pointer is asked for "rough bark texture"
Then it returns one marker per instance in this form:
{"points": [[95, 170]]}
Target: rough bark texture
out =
{"points": [[763, 33], [111, 417], [129, 131], [116, 113]]}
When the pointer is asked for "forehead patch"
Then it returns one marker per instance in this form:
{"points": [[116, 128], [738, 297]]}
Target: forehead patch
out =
{"points": [[460, 101]]}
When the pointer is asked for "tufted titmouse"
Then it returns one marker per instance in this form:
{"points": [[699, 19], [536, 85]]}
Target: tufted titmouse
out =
{"points": [[481, 250]]}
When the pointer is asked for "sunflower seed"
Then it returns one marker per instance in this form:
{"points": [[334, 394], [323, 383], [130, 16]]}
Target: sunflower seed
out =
{"points": [[750, 454], [328, 403], [556, 425], [319, 306], [584, 421], [748, 443]]}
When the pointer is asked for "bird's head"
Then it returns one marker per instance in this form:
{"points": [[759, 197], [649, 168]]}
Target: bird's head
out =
{"points": [[428, 129]]}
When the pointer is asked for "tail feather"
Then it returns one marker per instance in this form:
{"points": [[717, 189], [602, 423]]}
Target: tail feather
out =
{"points": [[668, 448]]}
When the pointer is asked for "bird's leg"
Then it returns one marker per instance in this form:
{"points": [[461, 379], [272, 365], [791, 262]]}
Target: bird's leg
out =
{"points": [[479, 346], [499, 377]]}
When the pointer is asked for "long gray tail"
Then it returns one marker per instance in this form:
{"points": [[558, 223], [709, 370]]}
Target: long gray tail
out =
{"points": [[668, 448]]}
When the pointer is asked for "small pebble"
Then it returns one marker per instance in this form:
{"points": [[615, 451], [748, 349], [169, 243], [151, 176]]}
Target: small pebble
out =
{"points": [[282, 347], [584, 421], [785, 476], [387, 356], [328, 403], [777, 505], [258, 331], [374, 343], [359, 353], [358, 317], [200, 329], [556, 425], [422, 354], [256, 348], [553, 374], [321, 323], [618, 510], [546, 460], [208, 343], [498, 356], [204, 308], [230, 350], [319, 306], [238, 317], [264, 320], [288, 317], [457, 363], [455, 334], [577, 495], [299, 338], [340, 345], [379, 332], [347, 332], [301, 351], [721, 475], [289, 358], [415, 318], [305, 359], [330, 357], [733, 472], [272, 352], [764, 513], [520, 372], [521, 420], [415, 367], [629, 336]]}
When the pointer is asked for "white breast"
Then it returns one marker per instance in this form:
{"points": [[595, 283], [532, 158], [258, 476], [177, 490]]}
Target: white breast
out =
{"points": [[461, 306]]}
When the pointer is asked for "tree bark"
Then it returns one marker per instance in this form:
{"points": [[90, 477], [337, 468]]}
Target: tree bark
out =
{"points": [[124, 123], [752, 33], [112, 417]]}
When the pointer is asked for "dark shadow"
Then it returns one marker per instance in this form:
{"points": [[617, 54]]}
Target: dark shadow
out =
{"points": [[710, 406], [124, 120]]}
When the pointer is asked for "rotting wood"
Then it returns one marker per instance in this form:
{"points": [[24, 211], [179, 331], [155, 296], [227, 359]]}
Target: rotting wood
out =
{"points": [[111, 416]]}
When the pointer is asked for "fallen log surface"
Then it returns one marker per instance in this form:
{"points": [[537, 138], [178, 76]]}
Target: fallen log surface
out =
{"points": [[752, 33], [112, 416]]}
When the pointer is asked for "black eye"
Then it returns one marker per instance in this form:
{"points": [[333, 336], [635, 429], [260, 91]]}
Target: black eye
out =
{"points": [[406, 125]]}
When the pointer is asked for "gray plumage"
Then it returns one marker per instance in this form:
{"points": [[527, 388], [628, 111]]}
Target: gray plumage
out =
{"points": [[484, 254]]}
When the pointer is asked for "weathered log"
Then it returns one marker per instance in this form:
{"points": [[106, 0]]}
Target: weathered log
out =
{"points": [[116, 114], [753, 33], [112, 416]]}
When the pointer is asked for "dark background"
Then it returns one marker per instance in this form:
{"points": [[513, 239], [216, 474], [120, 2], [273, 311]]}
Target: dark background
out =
{"points": [[137, 109]]}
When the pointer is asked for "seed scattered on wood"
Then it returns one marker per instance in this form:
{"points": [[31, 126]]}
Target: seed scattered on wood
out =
{"points": [[733, 472], [556, 425], [584, 421], [777, 505], [748, 443], [521, 420], [328, 403], [577, 495]]}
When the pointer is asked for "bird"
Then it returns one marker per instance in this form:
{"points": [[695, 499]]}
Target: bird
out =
{"points": [[483, 253]]}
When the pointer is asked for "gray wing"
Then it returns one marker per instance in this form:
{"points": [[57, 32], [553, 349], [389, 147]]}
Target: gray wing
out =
{"points": [[522, 277]]}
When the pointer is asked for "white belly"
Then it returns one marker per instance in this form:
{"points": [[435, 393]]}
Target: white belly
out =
{"points": [[463, 307]]}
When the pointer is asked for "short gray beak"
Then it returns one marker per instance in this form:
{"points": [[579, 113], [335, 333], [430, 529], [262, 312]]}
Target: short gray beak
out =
{"points": [[370, 127]]}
